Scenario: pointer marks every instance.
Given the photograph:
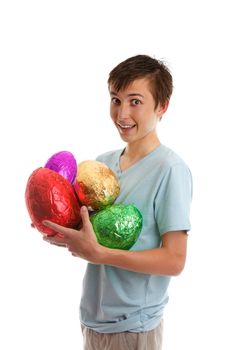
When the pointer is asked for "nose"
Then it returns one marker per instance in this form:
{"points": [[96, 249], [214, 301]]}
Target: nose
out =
{"points": [[123, 112]]}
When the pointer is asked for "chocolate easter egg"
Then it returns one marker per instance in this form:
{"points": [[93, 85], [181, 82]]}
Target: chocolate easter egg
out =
{"points": [[117, 226], [64, 163], [49, 196], [96, 184]]}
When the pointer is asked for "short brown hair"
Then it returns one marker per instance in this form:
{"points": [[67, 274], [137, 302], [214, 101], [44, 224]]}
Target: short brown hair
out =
{"points": [[143, 66]]}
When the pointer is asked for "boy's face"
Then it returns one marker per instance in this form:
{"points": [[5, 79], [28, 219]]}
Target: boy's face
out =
{"points": [[133, 110]]}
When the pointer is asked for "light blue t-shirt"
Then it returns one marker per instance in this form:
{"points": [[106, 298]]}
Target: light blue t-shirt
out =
{"points": [[117, 300]]}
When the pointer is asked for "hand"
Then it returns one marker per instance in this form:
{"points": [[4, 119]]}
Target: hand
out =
{"points": [[59, 245], [81, 243]]}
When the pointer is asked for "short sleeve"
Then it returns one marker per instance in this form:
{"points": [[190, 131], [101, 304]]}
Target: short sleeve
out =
{"points": [[173, 200], [99, 158]]}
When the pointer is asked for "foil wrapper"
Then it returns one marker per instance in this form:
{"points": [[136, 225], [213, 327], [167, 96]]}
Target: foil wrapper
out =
{"points": [[49, 196], [96, 185], [117, 226], [64, 163]]}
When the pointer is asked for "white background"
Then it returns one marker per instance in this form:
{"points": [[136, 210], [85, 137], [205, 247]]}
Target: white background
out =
{"points": [[54, 63]]}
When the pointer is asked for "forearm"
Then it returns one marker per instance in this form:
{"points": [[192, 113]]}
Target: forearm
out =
{"points": [[159, 261]]}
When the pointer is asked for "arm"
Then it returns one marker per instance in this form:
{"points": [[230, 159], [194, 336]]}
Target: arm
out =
{"points": [[169, 259]]}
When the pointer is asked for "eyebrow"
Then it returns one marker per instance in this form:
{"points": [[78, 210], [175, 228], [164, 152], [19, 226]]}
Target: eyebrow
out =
{"points": [[129, 95]]}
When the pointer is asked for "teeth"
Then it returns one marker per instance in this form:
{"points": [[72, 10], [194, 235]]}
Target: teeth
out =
{"points": [[125, 126]]}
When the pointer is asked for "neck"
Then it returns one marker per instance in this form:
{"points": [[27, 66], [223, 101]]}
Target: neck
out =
{"points": [[142, 147]]}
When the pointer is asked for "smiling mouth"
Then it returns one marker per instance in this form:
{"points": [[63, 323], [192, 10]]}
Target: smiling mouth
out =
{"points": [[126, 126]]}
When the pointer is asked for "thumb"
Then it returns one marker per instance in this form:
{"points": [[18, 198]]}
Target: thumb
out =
{"points": [[85, 218]]}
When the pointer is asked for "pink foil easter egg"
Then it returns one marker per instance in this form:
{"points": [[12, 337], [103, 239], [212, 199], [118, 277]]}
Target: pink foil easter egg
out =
{"points": [[63, 163]]}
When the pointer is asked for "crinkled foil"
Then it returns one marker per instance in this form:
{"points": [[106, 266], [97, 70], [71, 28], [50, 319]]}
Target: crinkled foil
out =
{"points": [[49, 196], [64, 164], [96, 184], [117, 226]]}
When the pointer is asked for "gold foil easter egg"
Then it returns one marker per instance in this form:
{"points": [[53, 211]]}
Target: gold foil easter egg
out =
{"points": [[96, 185]]}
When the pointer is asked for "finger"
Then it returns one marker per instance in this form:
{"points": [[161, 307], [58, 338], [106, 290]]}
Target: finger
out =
{"points": [[57, 228], [56, 240], [74, 254], [85, 218], [62, 245]]}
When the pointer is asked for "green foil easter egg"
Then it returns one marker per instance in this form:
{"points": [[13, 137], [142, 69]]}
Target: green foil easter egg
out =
{"points": [[117, 226]]}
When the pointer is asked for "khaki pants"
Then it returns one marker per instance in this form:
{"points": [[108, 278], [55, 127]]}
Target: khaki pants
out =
{"points": [[151, 340]]}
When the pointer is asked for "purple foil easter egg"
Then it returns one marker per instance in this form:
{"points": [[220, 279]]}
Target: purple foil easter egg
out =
{"points": [[64, 164]]}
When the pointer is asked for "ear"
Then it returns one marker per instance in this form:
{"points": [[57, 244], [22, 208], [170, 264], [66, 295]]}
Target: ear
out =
{"points": [[162, 109]]}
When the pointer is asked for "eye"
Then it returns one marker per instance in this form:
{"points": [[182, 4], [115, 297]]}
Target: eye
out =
{"points": [[135, 102], [115, 101]]}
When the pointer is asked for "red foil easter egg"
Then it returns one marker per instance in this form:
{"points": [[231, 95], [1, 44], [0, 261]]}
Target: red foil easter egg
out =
{"points": [[49, 196]]}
